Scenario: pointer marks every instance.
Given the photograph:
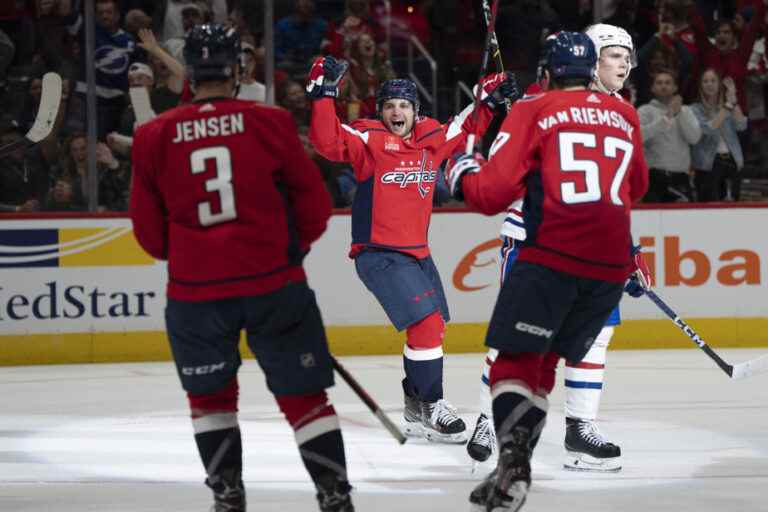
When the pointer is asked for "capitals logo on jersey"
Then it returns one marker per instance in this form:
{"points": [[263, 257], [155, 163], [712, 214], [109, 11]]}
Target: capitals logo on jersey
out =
{"points": [[412, 172]]}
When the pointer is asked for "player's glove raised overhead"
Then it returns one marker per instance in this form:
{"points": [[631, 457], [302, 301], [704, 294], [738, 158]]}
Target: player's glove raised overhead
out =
{"points": [[640, 273], [457, 167], [324, 77], [499, 87]]}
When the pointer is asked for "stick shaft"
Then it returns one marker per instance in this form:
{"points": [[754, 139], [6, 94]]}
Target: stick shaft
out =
{"points": [[483, 71], [688, 331], [368, 401]]}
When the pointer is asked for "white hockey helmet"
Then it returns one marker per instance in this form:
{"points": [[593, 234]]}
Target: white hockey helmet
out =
{"points": [[604, 35]]}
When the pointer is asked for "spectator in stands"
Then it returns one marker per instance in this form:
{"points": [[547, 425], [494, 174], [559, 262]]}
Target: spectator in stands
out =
{"points": [[61, 197], [662, 51], [299, 38], [168, 70], [250, 88], [290, 95], [757, 101], [669, 130], [367, 71], [24, 176], [114, 176], [7, 50], [139, 75], [717, 157], [356, 21], [729, 54], [113, 55]]}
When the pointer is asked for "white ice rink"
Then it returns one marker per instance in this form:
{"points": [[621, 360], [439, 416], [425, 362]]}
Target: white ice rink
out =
{"points": [[116, 437]]}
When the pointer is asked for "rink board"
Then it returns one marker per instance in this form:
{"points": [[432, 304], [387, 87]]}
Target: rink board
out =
{"points": [[81, 290]]}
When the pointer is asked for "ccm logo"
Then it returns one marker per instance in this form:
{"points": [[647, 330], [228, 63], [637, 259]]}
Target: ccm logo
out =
{"points": [[203, 370], [533, 329]]}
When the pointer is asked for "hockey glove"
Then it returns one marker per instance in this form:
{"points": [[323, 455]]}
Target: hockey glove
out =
{"points": [[457, 167], [641, 270], [497, 88], [324, 77], [633, 287]]}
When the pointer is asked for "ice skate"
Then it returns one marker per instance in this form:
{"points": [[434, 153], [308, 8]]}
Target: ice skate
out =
{"points": [[228, 492], [482, 443], [412, 416], [441, 424], [587, 449], [506, 487], [333, 494]]}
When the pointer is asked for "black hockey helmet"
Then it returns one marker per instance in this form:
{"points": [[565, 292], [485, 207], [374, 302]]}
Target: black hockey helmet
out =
{"points": [[212, 52], [398, 89]]}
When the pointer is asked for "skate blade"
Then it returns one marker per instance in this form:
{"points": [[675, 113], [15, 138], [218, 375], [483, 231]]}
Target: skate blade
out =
{"points": [[436, 437], [583, 462]]}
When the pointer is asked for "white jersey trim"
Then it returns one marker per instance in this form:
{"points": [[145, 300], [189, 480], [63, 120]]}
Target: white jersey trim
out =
{"points": [[363, 136], [454, 128], [510, 386]]}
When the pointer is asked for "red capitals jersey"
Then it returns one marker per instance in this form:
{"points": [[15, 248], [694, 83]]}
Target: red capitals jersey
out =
{"points": [[396, 177], [224, 191], [577, 157]]}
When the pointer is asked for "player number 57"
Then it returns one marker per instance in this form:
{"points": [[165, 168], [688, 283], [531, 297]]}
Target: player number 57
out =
{"points": [[221, 183], [569, 163]]}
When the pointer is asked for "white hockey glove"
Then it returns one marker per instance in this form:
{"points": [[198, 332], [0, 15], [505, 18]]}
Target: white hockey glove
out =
{"points": [[457, 167]]}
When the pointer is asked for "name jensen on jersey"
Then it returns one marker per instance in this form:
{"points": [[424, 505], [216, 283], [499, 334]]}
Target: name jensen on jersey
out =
{"points": [[588, 115], [229, 124]]}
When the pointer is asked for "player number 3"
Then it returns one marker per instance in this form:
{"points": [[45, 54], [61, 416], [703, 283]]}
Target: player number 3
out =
{"points": [[568, 163], [222, 184]]}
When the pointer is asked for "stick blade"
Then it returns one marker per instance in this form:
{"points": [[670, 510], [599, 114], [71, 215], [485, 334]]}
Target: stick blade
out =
{"points": [[50, 99], [142, 107], [749, 368]]}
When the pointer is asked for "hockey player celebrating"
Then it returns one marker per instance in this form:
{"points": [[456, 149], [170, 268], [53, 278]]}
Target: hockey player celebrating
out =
{"points": [[579, 165], [396, 159], [586, 448], [223, 190]]}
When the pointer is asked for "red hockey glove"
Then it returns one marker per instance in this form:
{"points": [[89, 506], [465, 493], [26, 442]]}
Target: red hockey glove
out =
{"points": [[641, 270], [324, 77], [499, 87], [457, 167]]}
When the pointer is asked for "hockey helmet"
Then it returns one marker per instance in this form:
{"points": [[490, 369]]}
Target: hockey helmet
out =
{"points": [[604, 35], [568, 55], [398, 89], [212, 52]]}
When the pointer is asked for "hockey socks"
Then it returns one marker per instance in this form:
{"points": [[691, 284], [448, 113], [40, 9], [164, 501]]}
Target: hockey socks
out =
{"points": [[423, 359], [318, 437], [217, 435]]}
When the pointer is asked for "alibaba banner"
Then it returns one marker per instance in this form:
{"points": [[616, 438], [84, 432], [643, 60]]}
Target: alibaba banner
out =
{"points": [[76, 290]]}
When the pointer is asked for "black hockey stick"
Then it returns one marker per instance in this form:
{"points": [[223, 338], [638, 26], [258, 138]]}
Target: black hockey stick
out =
{"points": [[368, 401], [495, 48], [483, 70], [50, 99], [739, 371]]}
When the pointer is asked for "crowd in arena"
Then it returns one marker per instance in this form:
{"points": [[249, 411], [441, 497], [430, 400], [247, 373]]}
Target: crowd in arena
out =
{"points": [[699, 81]]}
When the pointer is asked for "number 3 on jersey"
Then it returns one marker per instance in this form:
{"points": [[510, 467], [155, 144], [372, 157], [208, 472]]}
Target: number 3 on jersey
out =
{"points": [[222, 184], [568, 163]]}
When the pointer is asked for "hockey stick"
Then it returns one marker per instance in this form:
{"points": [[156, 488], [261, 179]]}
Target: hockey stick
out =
{"points": [[368, 401], [142, 108], [483, 70], [50, 100], [739, 371], [495, 46]]}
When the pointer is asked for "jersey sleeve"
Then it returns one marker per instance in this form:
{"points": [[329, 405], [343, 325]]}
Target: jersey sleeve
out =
{"points": [[147, 207], [459, 128], [336, 141], [502, 179], [309, 200]]}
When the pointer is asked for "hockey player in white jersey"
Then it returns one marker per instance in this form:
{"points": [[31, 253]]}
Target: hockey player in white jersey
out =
{"points": [[586, 448]]}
